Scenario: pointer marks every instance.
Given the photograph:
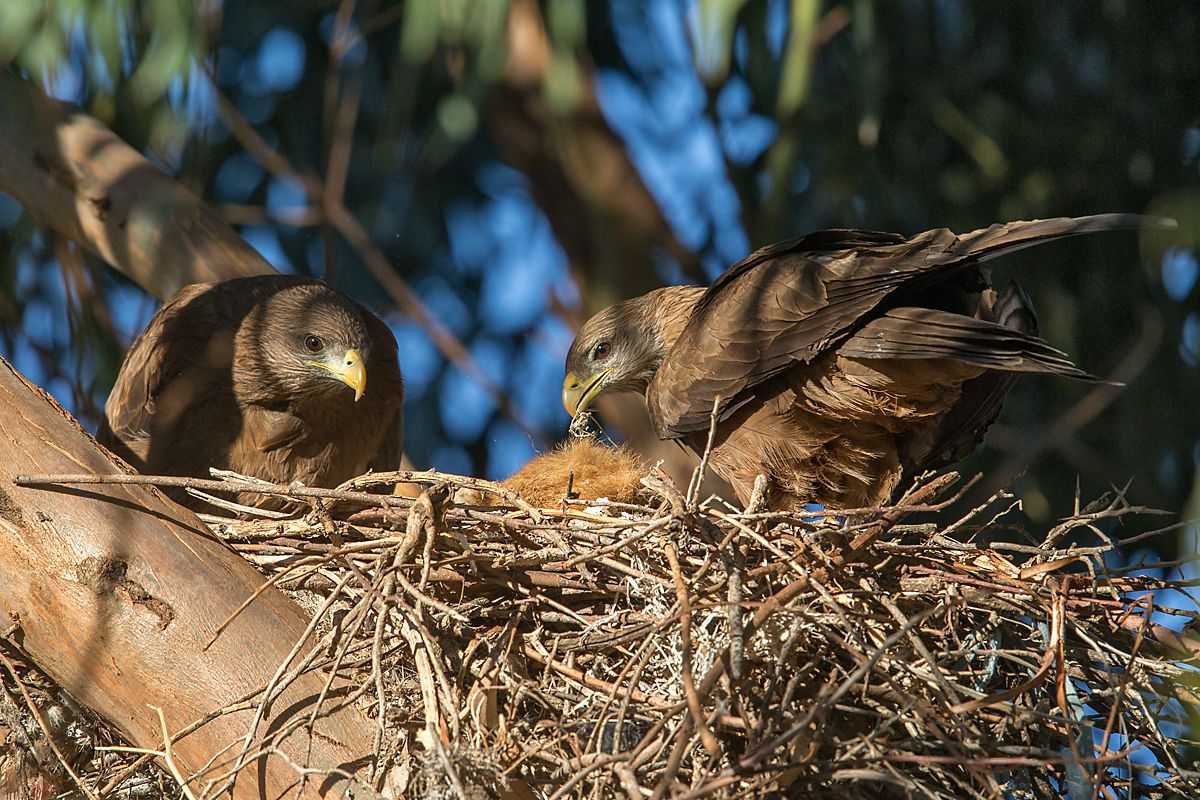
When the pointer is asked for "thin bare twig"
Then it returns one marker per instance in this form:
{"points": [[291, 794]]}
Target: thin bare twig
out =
{"points": [[542, 647]]}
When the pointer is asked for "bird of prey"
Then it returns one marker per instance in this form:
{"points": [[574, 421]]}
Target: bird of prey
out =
{"points": [[276, 376], [837, 362]]}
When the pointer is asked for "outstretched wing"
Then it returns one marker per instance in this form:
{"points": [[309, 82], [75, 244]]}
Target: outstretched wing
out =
{"points": [[790, 301], [909, 333]]}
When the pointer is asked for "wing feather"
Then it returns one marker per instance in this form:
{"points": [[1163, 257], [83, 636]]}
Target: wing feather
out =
{"points": [[157, 357], [929, 333], [790, 301]]}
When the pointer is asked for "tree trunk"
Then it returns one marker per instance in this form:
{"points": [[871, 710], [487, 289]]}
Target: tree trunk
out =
{"points": [[79, 178], [114, 591]]}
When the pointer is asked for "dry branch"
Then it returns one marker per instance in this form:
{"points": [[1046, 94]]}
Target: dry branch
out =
{"points": [[590, 650], [113, 591]]}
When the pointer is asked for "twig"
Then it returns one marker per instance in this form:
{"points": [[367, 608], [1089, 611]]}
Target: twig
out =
{"points": [[685, 669], [700, 471], [204, 484], [169, 757]]}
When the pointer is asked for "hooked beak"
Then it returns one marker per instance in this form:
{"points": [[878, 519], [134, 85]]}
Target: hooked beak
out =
{"points": [[352, 372], [577, 397]]}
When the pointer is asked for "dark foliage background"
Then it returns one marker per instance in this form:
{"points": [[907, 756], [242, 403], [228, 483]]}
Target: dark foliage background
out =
{"points": [[523, 164]]}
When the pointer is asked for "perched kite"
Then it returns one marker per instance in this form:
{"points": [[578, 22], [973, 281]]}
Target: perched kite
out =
{"points": [[275, 376], [836, 362]]}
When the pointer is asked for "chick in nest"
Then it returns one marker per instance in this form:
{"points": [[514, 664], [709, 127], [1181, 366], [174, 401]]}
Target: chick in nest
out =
{"points": [[599, 471]]}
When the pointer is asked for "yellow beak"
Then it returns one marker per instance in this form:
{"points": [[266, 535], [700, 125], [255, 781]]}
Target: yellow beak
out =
{"points": [[577, 397], [352, 372]]}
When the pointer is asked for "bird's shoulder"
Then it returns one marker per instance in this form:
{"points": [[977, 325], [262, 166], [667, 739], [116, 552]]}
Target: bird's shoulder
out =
{"points": [[184, 333]]}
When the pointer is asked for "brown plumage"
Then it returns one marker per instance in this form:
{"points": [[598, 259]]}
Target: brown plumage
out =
{"points": [[839, 360], [275, 376]]}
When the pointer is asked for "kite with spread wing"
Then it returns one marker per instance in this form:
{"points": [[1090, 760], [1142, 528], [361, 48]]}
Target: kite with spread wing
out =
{"points": [[837, 362]]}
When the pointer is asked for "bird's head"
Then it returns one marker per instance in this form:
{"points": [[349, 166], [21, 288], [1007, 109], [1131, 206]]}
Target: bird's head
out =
{"points": [[338, 361], [621, 348], [314, 342]]}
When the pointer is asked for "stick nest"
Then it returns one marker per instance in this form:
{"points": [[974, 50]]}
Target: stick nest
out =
{"points": [[679, 649]]}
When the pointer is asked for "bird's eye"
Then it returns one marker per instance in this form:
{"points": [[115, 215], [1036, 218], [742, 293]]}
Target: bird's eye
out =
{"points": [[314, 344], [602, 351]]}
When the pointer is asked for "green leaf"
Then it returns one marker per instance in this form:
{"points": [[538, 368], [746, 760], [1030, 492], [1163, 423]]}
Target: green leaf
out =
{"points": [[17, 21], [797, 58], [567, 22], [422, 28], [454, 19], [166, 58], [105, 26], [457, 116], [44, 52], [562, 88], [712, 24]]}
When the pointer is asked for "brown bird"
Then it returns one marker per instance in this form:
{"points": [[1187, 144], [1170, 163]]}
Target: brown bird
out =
{"points": [[273, 376], [838, 361]]}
